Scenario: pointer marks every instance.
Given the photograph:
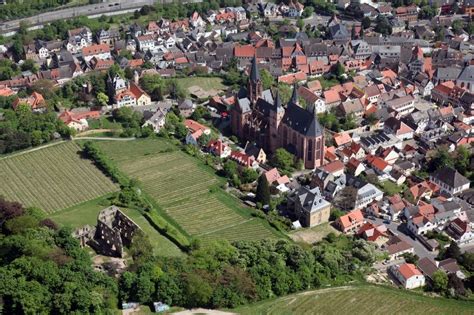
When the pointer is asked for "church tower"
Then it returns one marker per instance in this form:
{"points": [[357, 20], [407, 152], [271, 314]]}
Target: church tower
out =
{"points": [[276, 116], [255, 87]]}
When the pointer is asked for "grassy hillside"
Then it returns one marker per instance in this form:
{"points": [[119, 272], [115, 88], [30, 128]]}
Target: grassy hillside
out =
{"points": [[187, 191], [358, 300], [52, 178]]}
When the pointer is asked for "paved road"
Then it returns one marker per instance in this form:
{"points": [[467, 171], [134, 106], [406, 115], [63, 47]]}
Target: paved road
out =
{"points": [[400, 229], [110, 7]]}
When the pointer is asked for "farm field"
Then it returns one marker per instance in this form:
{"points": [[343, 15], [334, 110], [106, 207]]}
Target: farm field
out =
{"points": [[52, 178], [358, 300], [186, 191]]}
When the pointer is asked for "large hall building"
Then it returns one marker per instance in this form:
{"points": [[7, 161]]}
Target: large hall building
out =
{"points": [[259, 116]]}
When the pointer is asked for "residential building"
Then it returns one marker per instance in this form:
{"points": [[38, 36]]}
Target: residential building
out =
{"points": [[351, 222], [409, 276], [310, 207], [450, 180]]}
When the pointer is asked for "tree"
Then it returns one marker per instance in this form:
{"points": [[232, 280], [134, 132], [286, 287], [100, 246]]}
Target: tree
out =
{"points": [[366, 22], [427, 12], [383, 26], [267, 79], [29, 65], [230, 168], [300, 24], [462, 160], [283, 160], [456, 286], [440, 281], [440, 160], [102, 99], [457, 26], [248, 175], [339, 70], [453, 251], [263, 191], [410, 258]]}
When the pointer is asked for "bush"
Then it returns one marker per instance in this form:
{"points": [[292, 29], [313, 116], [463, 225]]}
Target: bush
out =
{"points": [[171, 232]]}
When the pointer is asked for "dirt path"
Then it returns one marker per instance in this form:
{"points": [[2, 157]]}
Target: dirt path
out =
{"points": [[203, 311], [104, 138], [33, 149]]}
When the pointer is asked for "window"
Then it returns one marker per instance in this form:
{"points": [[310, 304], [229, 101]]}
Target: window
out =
{"points": [[310, 150]]}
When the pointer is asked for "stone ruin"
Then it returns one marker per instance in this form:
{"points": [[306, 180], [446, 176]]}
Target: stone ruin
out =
{"points": [[113, 231]]}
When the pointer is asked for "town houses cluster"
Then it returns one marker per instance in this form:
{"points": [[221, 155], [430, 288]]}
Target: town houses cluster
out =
{"points": [[409, 95]]}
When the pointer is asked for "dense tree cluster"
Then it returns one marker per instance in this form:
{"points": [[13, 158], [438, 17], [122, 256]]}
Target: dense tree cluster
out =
{"points": [[19, 8], [44, 271], [225, 275], [21, 128]]}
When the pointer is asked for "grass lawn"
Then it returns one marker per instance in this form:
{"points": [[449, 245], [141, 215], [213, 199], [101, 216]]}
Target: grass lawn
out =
{"points": [[314, 234], [355, 300], [86, 213], [326, 84], [81, 214], [390, 188], [103, 123], [206, 83], [187, 191], [52, 178]]}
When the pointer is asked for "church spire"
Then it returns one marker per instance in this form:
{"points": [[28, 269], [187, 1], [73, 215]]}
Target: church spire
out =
{"points": [[294, 96], [254, 73], [277, 102]]}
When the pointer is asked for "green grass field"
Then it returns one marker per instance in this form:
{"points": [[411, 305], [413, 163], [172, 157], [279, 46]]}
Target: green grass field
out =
{"points": [[186, 190], [206, 83], [52, 178], [358, 300]]}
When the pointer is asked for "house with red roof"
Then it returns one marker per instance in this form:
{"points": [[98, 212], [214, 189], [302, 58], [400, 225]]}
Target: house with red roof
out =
{"points": [[78, 120], [351, 222], [355, 167], [408, 275], [195, 130], [291, 78], [276, 180], [35, 101], [6, 91], [219, 148], [378, 164], [342, 138], [99, 51], [423, 190], [398, 128], [354, 150], [244, 52], [377, 234], [243, 159], [336, 168]]}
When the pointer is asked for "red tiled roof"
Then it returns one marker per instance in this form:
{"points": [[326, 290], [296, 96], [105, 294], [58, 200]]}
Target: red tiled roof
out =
{"points": [[292, 77], [246, 51], [194, 125], [333, 167], [350, 219], [409, 270], [95, 49]]}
